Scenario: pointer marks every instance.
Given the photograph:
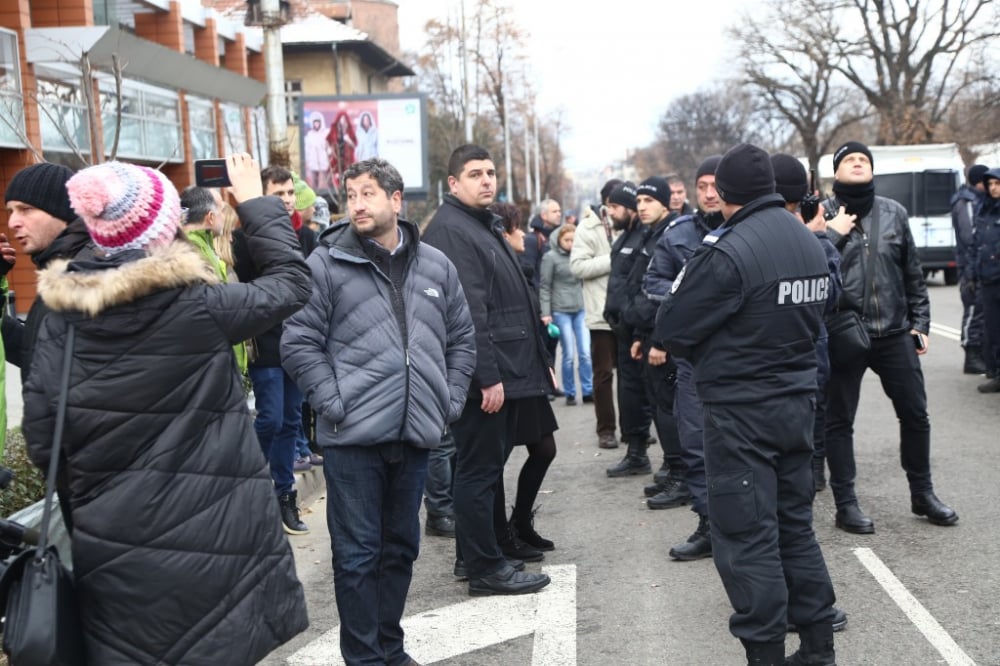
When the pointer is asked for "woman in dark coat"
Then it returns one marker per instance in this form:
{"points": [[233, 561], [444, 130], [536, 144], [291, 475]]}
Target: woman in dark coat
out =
{"points": [[178, 550]]}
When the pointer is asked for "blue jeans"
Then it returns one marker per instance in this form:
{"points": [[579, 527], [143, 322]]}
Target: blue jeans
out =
{"points": [[574, 338], [440, 477], [279, 419], [373, 502]]}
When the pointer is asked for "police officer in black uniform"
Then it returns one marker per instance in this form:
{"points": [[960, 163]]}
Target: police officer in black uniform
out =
{"points": [[680, 241], [746, 309], [634, 411]]}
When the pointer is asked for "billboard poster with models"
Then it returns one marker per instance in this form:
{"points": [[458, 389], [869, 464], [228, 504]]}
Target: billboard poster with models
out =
{"points": [[339, 131]]}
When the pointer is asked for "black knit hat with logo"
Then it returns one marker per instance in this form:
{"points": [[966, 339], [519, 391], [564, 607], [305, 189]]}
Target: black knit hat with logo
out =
{"points": [[744, 174], [851, 147], [655, 187], [623, 195], [44, 187]]}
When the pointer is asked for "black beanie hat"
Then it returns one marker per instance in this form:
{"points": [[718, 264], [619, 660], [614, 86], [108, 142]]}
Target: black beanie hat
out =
{"points": [[609, 187], [847, 149], [790, 180], [623, 195], [744, 174], [655, 187], [44, 187], [976, 173], [707, 167]]}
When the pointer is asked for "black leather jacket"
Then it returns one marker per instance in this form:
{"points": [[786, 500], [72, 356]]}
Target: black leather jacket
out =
{"points": [[898, 301]]}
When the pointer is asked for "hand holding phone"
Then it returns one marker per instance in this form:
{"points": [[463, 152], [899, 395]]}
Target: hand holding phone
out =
{"points": [[211, 173], [244, 173], [919, 342]]}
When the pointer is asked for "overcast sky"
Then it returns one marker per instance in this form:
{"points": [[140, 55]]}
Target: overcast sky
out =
{"points": [[613, 72]]}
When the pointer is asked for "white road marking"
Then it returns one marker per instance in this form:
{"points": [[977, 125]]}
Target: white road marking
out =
{"points": [[471, 625], [946, 332], [923, 620]]}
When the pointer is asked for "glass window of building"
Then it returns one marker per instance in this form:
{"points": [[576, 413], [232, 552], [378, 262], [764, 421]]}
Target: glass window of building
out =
{"points": [[236, 133], [11, 100], [62, 110], [293, 99], [150, 121], [201, 116], [258, 125]]}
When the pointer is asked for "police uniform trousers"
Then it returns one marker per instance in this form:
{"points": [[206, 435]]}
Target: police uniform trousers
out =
{"points": [[661, 386], [760, 493], [690, 417], [634, 411], [894, 359]]}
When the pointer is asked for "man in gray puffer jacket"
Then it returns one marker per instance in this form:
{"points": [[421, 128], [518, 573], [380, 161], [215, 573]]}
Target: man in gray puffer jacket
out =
{"points": [[384, 352]]}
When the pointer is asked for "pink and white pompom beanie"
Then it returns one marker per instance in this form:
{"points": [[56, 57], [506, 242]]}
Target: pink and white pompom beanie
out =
{"points": [[126, 207]]}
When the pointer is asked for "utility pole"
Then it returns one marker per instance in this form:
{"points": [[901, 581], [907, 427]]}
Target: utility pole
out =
{"points": [[465, 77], [270, 15], [506, 145], [538, 174], [527, 158]]}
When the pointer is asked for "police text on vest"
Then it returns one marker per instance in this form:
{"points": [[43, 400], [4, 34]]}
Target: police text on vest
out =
{"points": [[807, 290]]}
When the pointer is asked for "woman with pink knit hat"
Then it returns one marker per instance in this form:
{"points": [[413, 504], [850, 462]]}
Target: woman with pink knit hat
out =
{"points": [[178, 550]]}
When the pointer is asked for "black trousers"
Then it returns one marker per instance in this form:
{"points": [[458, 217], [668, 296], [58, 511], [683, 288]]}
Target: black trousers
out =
{"points": [[972, 313], [690, 415], [661, 386], [990, 295], [760, 493], [894, 359], [634, 411], [481, 448]]}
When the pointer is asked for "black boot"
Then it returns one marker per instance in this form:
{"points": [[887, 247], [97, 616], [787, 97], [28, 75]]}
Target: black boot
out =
{"points": [[974, 363], [819, 473], [661, 475], [525, 530], [764, 654], [290, 513], [816, 648], [675, 493], [635, 461], [514, 548], [697, 546]]}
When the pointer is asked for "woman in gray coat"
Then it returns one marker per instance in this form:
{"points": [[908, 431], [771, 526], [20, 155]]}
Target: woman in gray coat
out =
{"points": [[561, 295]]}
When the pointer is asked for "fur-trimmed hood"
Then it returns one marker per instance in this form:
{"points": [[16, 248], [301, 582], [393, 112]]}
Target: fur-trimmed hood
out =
{"points": [[92, 287]]}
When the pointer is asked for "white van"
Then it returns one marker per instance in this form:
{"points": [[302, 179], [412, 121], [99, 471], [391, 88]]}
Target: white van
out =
{"points": [[923, 179]]}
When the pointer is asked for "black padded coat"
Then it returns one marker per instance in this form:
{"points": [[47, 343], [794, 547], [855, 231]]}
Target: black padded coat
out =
{"points": [[178, 549]]}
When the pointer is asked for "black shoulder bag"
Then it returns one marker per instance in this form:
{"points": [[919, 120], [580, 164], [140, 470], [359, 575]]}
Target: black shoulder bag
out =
{"points": [[848, 334], [42, 623]]}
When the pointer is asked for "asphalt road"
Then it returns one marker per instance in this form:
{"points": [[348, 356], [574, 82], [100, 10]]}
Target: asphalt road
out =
{"points": [[915, 594]]}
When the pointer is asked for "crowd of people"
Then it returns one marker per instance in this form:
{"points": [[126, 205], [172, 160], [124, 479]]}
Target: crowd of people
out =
{"points": [[408, 363]]}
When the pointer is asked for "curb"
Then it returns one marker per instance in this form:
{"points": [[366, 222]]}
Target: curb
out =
{"points": [[310, 485]]}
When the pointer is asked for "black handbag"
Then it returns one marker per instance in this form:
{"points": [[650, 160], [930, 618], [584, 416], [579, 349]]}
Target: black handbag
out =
{"points": [[846, 329], [848, 337], [42, 620]]}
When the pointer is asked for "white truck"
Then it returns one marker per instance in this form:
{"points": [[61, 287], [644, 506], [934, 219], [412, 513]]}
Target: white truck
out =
{"points": [[922, 178]]}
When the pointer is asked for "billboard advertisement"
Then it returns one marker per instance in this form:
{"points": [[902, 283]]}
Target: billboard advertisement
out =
{"points": [[339, 131]]}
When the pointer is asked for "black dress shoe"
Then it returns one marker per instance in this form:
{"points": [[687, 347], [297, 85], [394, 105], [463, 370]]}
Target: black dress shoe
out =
{"points": [[851, 519], [839, 621], [937, 512], [462, 574], [507, 581]]}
